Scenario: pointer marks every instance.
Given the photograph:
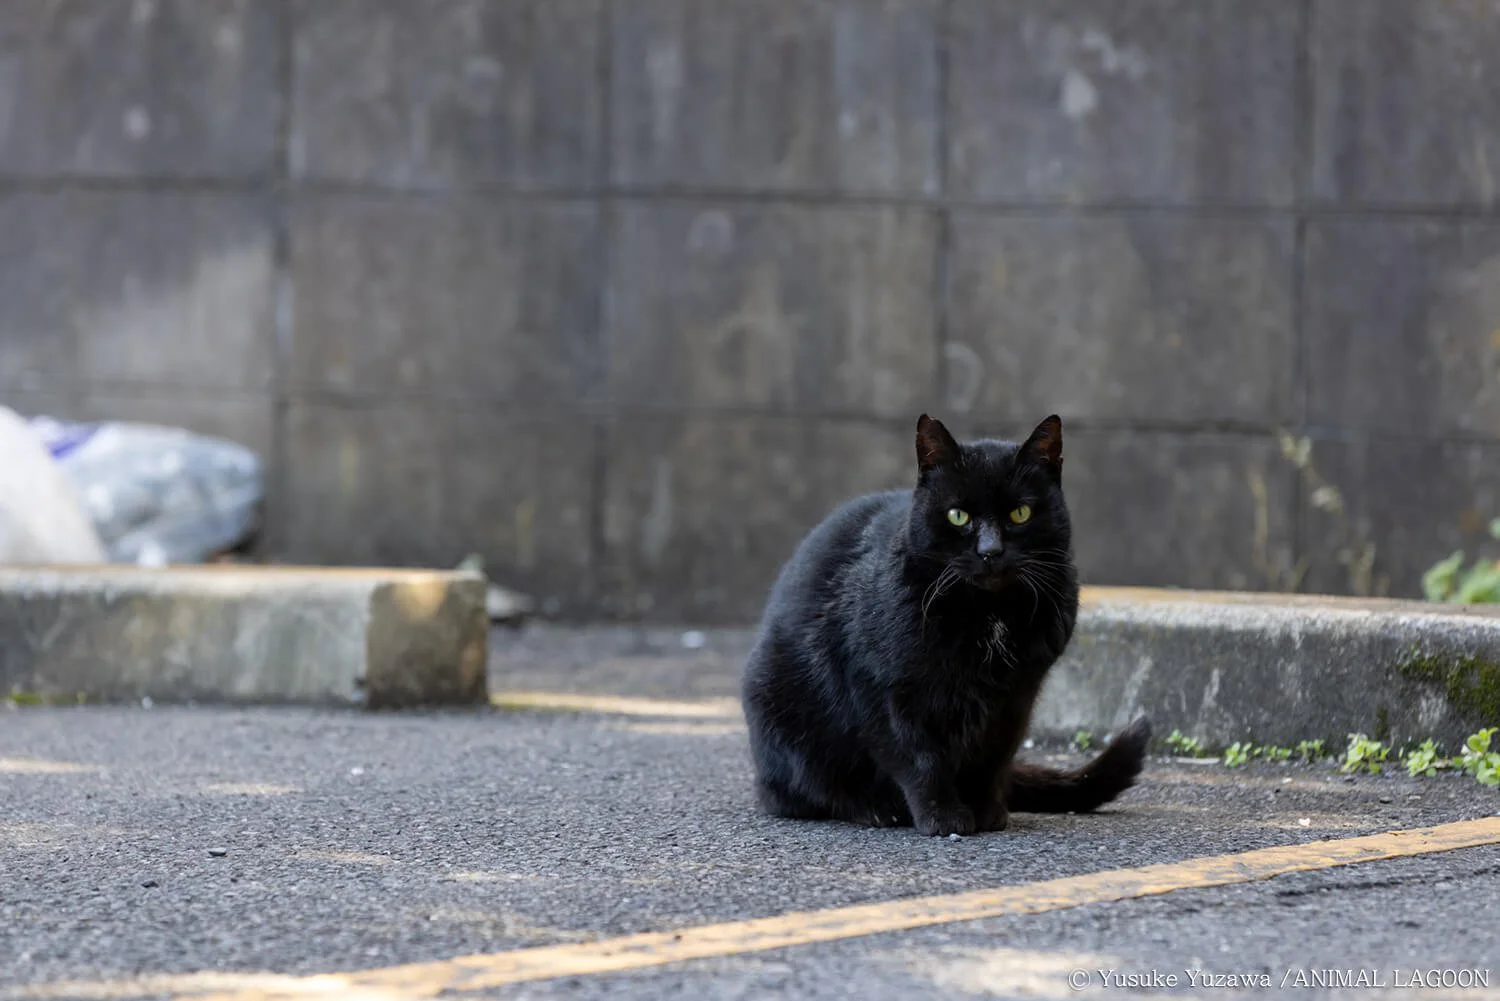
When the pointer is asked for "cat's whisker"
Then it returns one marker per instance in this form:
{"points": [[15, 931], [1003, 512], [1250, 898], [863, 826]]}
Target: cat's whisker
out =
{"points": [[1036, 598], [1045, 567], [1041, 563], [1041, 576], [935, 590], [1060, 583], [1039, 580], [1049, 558]]}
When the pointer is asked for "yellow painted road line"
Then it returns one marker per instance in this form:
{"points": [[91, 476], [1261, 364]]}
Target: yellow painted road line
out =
{"points": [[39, 766], [635, 952], [618, 705]]}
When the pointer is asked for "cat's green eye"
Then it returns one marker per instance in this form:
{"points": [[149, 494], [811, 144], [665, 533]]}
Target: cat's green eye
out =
{"points": [[958, 517], [1021, 515]]}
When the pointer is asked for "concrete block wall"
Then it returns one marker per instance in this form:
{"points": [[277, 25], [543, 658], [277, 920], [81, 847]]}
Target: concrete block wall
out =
{"points": [[626, 294]]}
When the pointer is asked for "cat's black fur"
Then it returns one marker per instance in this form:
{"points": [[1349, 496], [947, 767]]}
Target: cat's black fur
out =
{"points": [[897, 666]]}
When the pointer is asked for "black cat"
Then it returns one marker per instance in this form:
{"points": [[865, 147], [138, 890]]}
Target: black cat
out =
{"points": [[905, 643]]}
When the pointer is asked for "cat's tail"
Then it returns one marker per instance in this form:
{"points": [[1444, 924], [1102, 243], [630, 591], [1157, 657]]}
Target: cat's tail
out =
{"points": [[1039, 789]]}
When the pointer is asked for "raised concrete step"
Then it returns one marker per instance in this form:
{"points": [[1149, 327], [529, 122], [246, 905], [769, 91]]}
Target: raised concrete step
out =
{"points": [[379, 638], [1276, 668]]}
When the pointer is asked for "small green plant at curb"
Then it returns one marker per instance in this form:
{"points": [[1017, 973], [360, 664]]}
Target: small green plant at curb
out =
{"points": [[1478, 760], [1238, 753], [1244, 751], [1424, 760], [1185, 745], [1364, 755], [1447, 580], [1488, 771], [1480, 757], [18, 699], [1311, 750], [1083, 740]]}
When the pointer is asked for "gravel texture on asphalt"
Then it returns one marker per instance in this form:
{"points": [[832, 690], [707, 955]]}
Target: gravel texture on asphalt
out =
{"points": [[352, 841], [138, 841]]}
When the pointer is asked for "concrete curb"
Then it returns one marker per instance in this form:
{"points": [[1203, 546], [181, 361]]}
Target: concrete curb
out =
{"points": [[378, 638], [1275, 669]]}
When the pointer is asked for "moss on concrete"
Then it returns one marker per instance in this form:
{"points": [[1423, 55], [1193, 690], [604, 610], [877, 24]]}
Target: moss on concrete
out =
{"points": [[44, 699], [1471, 682]]}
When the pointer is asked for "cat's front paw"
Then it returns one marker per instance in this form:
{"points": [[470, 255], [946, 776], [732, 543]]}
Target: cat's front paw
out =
{"points": [[945, 820]]}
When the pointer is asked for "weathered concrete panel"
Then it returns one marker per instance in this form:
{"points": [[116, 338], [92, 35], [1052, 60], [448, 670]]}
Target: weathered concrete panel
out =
{"points": [[1415, 501], [39, 402], [151, 88], [690, 214], [38, 270], [1121, 318], [777, 95], [427, 485], [459, 298], [1176, 101], [453, 92], [1403, 325], [701, 512], [1275, 669], [249, 420], [381, 638], [785, 307], [1406, 102], [1205, 511], [168, 289]]}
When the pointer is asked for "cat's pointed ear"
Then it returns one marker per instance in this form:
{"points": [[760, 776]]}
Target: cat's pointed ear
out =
{"points": [[1044, 447], [935, 446]]}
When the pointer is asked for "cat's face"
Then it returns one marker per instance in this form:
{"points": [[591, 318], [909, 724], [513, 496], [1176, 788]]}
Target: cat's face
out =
{"points": [[991, 512]]}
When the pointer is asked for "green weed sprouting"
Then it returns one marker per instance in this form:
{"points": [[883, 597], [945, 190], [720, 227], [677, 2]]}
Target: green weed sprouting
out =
{"points": [[1364, 755]]}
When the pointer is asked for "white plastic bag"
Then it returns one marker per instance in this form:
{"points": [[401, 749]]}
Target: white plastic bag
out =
{"points": [[41, 517], [158, 495]]}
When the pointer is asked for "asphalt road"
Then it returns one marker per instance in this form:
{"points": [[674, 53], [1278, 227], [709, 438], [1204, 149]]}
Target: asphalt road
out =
{"points": [[140, 841]]}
